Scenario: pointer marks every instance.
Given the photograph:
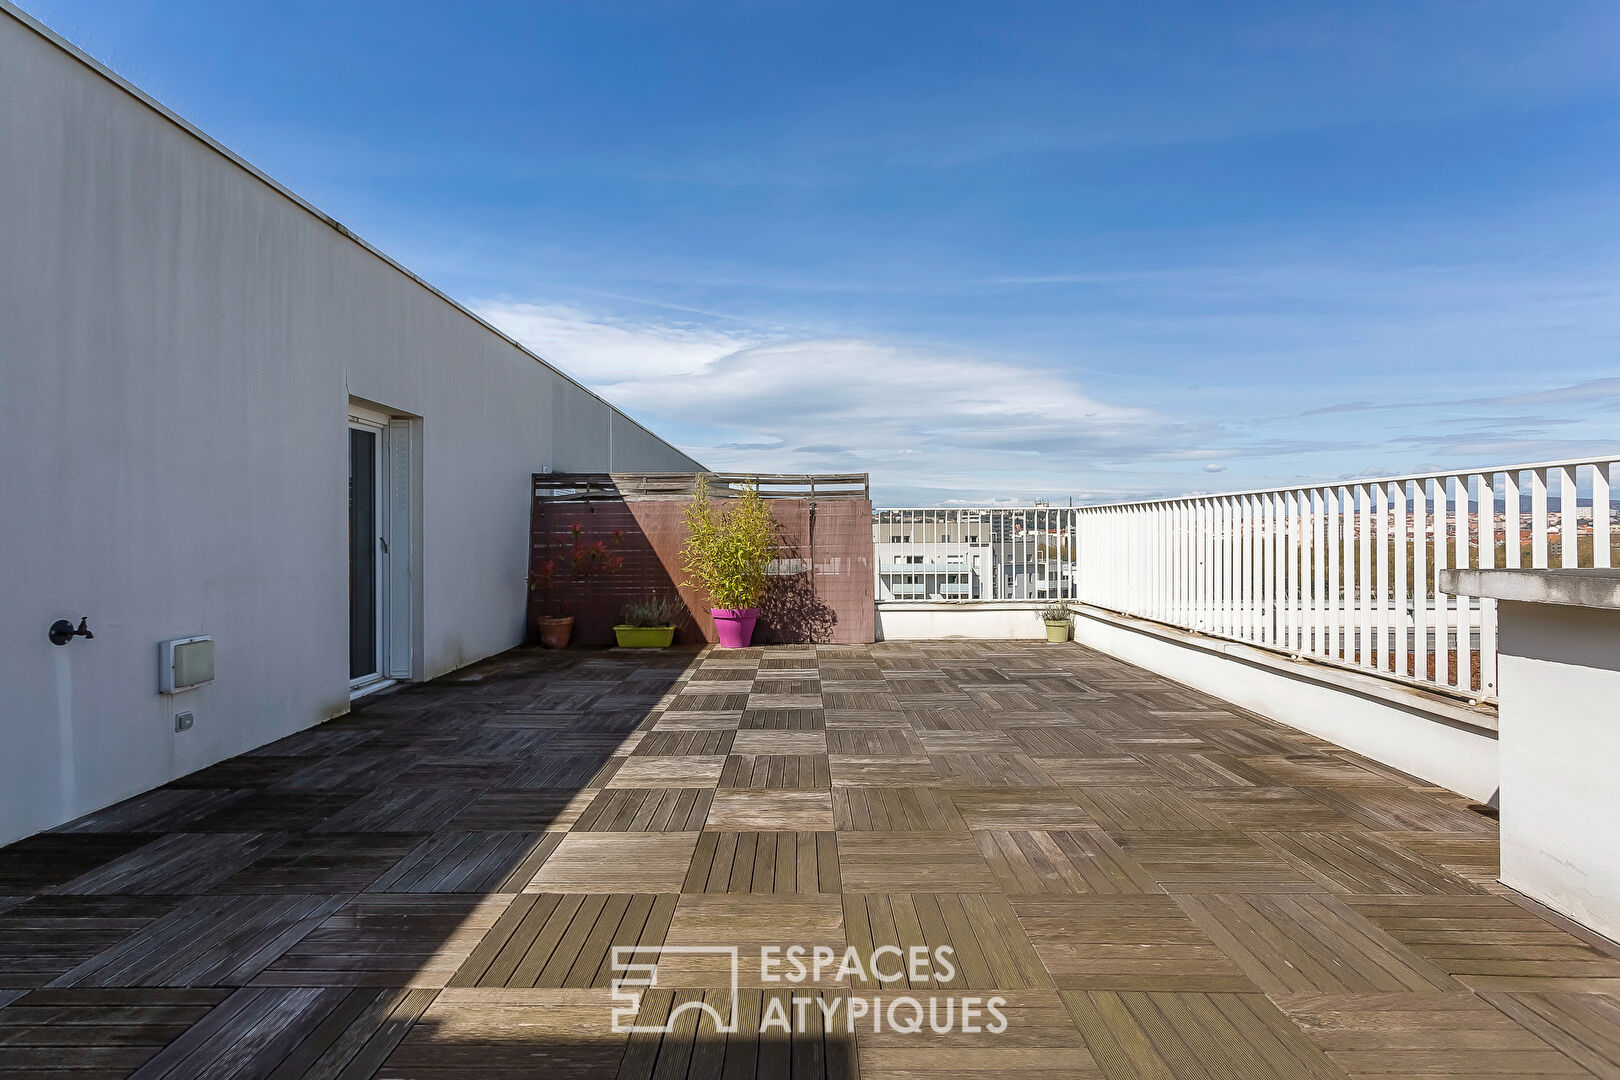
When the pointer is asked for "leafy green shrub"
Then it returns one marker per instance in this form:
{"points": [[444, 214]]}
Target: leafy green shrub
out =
{"points": [[729, 547], [653, 611]]}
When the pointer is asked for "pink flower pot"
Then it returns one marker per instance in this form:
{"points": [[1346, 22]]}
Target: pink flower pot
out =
{"points": [[735, 626]]}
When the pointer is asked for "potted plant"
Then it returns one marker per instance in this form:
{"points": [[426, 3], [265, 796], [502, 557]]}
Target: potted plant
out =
{"points": [[1056, 617], [554, 619], [649, 623], [727, 553]]}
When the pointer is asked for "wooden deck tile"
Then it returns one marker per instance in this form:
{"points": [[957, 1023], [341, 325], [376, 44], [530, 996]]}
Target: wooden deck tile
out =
{"points": [[675, 743], [1490, 943], [1585, 1027], [175, 863], [1061, 861], [470, 862], [400, 809], [879, 771], [695, 1048], [521, 811], [797, 772], [912, 862], [1124, 942], [783, 720], [799, 811], [989, 948], [560, 771], [1216, 862], [564, 939], [688, 771], [1038, 1041], [1457, 1035], [1124, 810], [1300, 943], [1192, 1036], [764, 862], [748, 922], [895, 809], [1273, 808], [617, 862], [40, 862], [1356, 862], [84, 1034], [646, 809], [208, 941], [322, 863], [1012, 770], [167, 809], [291, 1032], [43, 937], [388, 940], [1018, 808]]}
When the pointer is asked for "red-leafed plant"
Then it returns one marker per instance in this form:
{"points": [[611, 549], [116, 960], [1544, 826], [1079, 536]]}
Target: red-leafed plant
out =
{"points": [[585, 559]]}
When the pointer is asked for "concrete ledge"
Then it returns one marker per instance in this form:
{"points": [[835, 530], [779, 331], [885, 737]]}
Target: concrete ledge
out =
{"points": [[1573, 588], [1426, 735], [980, 620]]}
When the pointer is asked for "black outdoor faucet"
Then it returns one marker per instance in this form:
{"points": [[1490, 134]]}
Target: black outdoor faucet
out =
{"points": [[62, 631]]}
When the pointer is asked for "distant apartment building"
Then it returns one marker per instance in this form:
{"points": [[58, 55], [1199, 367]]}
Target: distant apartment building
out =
{"points": [[974, 554]]}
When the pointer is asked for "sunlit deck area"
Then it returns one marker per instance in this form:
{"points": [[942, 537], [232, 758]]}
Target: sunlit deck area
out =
{"points": [[1157, 883]]}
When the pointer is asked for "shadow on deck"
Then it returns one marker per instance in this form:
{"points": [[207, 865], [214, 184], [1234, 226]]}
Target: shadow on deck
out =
{"points": [[1150, 882]]}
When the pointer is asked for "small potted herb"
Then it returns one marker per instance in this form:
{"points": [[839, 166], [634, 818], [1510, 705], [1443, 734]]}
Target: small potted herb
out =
{"points": [[1056, 617], [649, 623]]}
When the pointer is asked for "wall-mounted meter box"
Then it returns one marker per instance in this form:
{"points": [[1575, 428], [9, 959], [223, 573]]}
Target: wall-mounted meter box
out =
{"points": [[185, 663]]}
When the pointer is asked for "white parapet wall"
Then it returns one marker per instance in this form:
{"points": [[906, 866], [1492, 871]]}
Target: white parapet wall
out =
{"points": [[1560, 733], [1444, 742], [983, 620]]}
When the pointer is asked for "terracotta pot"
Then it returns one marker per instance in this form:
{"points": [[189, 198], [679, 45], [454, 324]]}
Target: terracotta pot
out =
{"points": [[555, 630]]}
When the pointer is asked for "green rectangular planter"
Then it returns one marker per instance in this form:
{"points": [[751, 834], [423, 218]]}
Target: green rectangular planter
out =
{"points": [[644, 637]]}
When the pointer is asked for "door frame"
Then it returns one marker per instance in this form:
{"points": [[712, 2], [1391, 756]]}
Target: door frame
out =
{"points": [[362, 419]]}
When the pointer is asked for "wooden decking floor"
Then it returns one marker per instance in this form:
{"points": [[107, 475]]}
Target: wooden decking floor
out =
{"points": [[1156, 883]]}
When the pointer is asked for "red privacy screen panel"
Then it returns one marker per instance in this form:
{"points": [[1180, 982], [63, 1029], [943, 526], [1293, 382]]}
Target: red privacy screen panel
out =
{"points": [[598, 542]]}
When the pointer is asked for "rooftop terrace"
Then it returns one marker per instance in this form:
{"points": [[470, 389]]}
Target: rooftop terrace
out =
{"points": [[1158, 883]]}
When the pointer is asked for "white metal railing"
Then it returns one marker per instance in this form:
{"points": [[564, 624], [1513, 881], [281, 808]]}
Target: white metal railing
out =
{"points": [[1345, 572], [1340, 572], [974, 553]]}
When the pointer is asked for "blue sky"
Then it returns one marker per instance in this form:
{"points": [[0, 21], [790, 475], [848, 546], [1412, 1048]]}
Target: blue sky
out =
{"points": [[984, 251]]}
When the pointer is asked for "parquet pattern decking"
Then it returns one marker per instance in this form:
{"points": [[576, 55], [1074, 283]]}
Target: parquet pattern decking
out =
{"points": [[1159, 885]]}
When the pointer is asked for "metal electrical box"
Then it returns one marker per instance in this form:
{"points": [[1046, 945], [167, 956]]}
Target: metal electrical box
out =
{"points": [[184, 663]]}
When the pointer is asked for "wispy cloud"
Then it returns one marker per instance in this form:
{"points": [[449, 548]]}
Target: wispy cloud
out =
{"points": [[926, 421], [944, 426]]}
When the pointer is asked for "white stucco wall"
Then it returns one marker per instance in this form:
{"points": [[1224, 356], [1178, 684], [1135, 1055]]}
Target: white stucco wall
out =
{"points": [[1380, 720], [1559, 674], [989, 620], [179, 343]]}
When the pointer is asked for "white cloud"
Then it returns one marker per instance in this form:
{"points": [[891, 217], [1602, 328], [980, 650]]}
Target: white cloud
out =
{"points": [[595, 350], [921, 421]]}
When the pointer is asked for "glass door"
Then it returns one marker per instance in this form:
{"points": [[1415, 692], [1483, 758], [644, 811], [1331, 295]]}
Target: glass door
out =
{"points": [[365, 623]]}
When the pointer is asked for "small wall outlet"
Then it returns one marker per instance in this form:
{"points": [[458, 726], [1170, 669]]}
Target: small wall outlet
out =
{"points": [[183, 721]]}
